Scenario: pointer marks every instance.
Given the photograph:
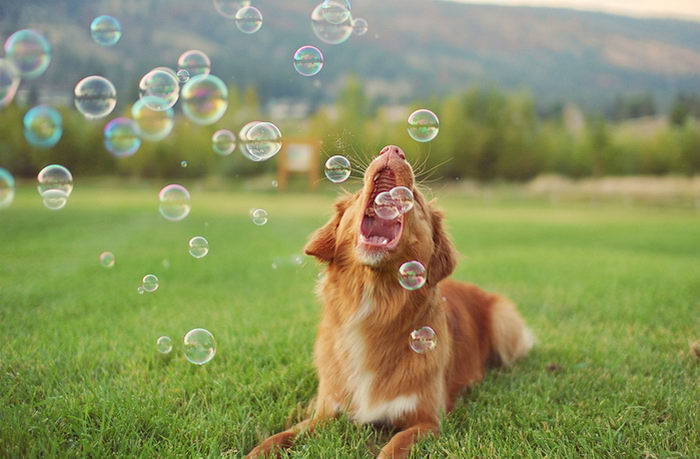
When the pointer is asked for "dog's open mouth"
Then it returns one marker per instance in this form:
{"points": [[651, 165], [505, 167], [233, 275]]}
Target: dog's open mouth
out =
{"points": [[377, 233]]}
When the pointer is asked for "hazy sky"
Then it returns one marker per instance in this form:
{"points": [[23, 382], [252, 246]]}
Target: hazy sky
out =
{"points": [[689, 9]]}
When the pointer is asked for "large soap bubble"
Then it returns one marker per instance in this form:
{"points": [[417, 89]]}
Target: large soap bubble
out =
{"points": [[335, 11], [249, 19], [152, 124], [121, 137], [174, 202], [43, 126], [55, 177], [163, 86], [263, 140], [308, 60], [423, 125], [29, 51], [200, 346], [330, 33], [204, 99], [95, 97], [195, 62], [105, 30]]}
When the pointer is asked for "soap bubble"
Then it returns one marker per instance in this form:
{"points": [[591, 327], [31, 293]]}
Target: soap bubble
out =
{"points": [[9, 81], [223, 142], [249, 19], [121, 137], [199, 247], [174, 202], [200, 346], [385, 206], [412, 275], [29, 52], [229, 8], [338, 169], [54, 199], [403, 197], [263, 140], [150, 283], [335, 11], [164, 345], [107, 259], [105, 30], [359, 26], [423, 125], [183, 75], [259, 216], [243, 141], [195, 62], [204, 99], [95, 97], [55, 177], [161, 84], [43, 126], [333, 34], [308, 60], [275, 184], [140, 290], [183, 163], [152, 124], [422, 340], [7, 188]]}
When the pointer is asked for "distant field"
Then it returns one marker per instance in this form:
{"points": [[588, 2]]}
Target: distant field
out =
{"points": [[613, 293]]}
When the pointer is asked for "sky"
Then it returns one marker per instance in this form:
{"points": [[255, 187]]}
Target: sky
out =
{"points": [[685, 9]]}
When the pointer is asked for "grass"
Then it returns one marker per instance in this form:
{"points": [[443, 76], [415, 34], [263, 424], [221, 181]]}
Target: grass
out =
{"points": [[612, 293]]}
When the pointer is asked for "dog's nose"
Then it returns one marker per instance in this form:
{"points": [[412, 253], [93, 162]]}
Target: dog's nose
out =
{"points": [[393, 150]]}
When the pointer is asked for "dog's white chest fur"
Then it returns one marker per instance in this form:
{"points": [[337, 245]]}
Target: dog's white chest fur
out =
{"points": [[360, 380]]}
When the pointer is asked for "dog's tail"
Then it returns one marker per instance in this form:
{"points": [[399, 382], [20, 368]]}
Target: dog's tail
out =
{"points": [[511, 338]]}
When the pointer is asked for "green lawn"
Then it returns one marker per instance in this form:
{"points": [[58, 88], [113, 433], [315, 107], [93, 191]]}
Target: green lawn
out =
{"points": [[612, 292]]}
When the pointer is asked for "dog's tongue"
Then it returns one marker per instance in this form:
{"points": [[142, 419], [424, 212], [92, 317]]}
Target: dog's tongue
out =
{"points": [[373, 226]]}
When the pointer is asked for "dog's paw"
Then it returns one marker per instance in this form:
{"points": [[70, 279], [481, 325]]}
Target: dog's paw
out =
{"points": [[273, 446]]}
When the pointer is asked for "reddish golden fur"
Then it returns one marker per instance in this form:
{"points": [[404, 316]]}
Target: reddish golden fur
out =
{"points": [[362, 357]]}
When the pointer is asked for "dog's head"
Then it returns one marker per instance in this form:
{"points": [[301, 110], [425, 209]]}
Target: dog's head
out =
{"points": [[356, 235]]}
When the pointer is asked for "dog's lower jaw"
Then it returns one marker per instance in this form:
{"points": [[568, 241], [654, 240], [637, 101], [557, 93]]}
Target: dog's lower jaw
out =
{"points": [[371, 258]]}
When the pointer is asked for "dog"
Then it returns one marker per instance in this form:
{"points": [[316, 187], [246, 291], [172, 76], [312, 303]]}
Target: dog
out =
{"points": [[365, 365]]}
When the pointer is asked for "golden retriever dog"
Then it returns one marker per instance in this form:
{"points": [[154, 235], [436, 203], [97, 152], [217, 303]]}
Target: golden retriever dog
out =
{"points": [[365, 365]]}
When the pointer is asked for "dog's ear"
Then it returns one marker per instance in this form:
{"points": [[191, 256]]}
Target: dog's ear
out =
{"points": [[322, 242], [444, 259]]}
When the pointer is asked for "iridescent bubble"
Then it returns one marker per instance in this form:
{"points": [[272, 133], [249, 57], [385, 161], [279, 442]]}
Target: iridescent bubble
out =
{"points": [[43, 126], [29, 52], [223, 142], [174, 202], [200, 346], [7, 188], [263, 140], [422, 340], [54, 199], [105, 30], [259, 216], [9, 81], [204, 99], [359, 26], [164, 345], [412, 275], [195, 62], [423, 125], [95, 97], [183, 75], [330, 33], [199, 247], [107, 259], [150, 283], [338, 169], [55, 177], [403, 197], [183, 163], [229, 8], [243, 141], [151, 124], [385, 206], [163, 86], [249, 19], [121, 137], [308, 60], [336, 11]]}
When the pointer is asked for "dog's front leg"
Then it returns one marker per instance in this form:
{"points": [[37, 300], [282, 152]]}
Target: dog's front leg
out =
{"points": [[399, 447]]}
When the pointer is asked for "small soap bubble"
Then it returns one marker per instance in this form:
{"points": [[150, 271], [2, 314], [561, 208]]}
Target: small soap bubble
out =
{"points": [[43, 126], [359, 26], [105, 30], [308, 60], [140, 290], [7, 188], [204, 99], [54, 199], [152, 124], [338, 169], [275, 184], [229, 8], [403, 197], [183, 163], [164, 345], [263, 140], [326, 31], [200, 346], [150, 283], [423, 125], [163, 86], [107, 259], [223, 142], [194, 62], [259, 216], [55, 177], [199, 247], [95, 97], [385, 206], [297, 260], [121, 137], [9, 82], [336, 11], [174, 202], [422, 340], [29, 51], [183, 75], [412, 275], [249, 19]]}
